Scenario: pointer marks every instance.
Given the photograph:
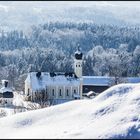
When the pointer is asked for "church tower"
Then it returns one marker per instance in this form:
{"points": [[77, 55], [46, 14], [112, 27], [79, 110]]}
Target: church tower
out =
{"points": [[78, 63]]}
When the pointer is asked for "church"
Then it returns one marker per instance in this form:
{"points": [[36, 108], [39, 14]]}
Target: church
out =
{"points": [[58, 87]]}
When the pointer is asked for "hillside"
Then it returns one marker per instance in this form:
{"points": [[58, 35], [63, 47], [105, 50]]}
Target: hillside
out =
{"points": [[112, 114]]}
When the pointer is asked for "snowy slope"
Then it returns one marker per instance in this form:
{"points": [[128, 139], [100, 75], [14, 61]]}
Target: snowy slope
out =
{"points": [[112, 114]]}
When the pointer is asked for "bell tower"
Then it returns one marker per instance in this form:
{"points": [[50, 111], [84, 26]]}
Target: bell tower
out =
{"points": [[78, 63]]}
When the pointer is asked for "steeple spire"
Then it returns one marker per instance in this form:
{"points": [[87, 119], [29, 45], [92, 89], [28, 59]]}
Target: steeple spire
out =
{"points": [[78, 62]]}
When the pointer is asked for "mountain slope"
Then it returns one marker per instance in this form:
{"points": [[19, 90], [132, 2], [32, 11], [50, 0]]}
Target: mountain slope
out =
{"points": [[112, 114]]}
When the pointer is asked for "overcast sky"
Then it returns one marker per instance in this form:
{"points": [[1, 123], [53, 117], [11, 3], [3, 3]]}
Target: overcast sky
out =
{"points": [[134, 4]]}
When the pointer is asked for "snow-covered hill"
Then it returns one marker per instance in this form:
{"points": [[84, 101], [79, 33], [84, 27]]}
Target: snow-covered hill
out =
{"points": [[112, 114]]}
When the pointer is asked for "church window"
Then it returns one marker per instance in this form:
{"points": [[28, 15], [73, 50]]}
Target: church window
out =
{"points": [[67, 92], [60, 92], [53, 92], [28, 91]]}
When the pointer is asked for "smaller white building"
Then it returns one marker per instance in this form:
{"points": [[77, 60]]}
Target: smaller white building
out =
{"points": [[6, 94]]}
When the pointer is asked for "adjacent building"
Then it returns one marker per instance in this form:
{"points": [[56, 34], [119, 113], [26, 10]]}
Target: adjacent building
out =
{"points": [[6, 93]]}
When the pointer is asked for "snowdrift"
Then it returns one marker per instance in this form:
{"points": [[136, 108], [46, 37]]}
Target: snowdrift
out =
{"points": [[112, 114]]}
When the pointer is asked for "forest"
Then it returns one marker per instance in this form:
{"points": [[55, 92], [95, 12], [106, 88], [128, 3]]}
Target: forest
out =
{"points": [[108, 50]]}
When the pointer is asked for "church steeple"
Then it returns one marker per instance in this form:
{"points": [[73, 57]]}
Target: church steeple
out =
{"points": [[78, 62]]}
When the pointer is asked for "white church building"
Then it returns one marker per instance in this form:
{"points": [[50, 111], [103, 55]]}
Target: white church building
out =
{"points": [[58, 87]]}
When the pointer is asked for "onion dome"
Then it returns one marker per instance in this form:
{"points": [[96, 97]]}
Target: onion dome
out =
{"points": [[78, 54]]}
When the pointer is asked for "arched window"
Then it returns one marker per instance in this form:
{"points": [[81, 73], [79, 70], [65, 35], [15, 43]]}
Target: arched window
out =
{"points": [[79, 65], [28, 91], [74, 90], [60, 92], [53, 92], [67, 92]]}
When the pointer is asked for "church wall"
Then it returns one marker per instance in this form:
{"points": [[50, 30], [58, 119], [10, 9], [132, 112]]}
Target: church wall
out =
{"points": [[62, 92], [27, 89]]}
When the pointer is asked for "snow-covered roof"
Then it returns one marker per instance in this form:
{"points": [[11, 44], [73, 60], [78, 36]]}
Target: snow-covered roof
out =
{"points": [[78, 52], [107, 81], [6, 92], [133, 79], [5, 89], [45, 79], [90, 93], [97, 80]]}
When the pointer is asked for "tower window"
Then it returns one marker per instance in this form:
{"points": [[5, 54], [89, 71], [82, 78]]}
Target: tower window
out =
{"points": [[79, 65], [76, 65]]}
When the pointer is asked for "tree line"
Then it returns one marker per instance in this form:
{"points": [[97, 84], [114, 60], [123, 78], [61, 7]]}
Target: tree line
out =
{"points": [[108, 50]]}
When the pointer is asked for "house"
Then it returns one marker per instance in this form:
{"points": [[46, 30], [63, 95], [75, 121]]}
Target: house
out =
{"points": [[97, 84], [6, 93]]}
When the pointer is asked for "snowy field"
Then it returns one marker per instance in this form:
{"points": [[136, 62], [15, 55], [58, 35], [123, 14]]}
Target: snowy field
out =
{"points": [[114, 113], [19, 105]]}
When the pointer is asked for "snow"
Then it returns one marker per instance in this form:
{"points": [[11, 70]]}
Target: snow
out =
{"points": [[19, 101], [133, 79], [112, 114], [91, 93], [97, 80], [78, 52], [107, 81], [5, 89], [45, 80], [19, 104]]}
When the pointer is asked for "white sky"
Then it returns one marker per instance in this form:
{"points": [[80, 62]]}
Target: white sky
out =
{"points": [[134, 4]]}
